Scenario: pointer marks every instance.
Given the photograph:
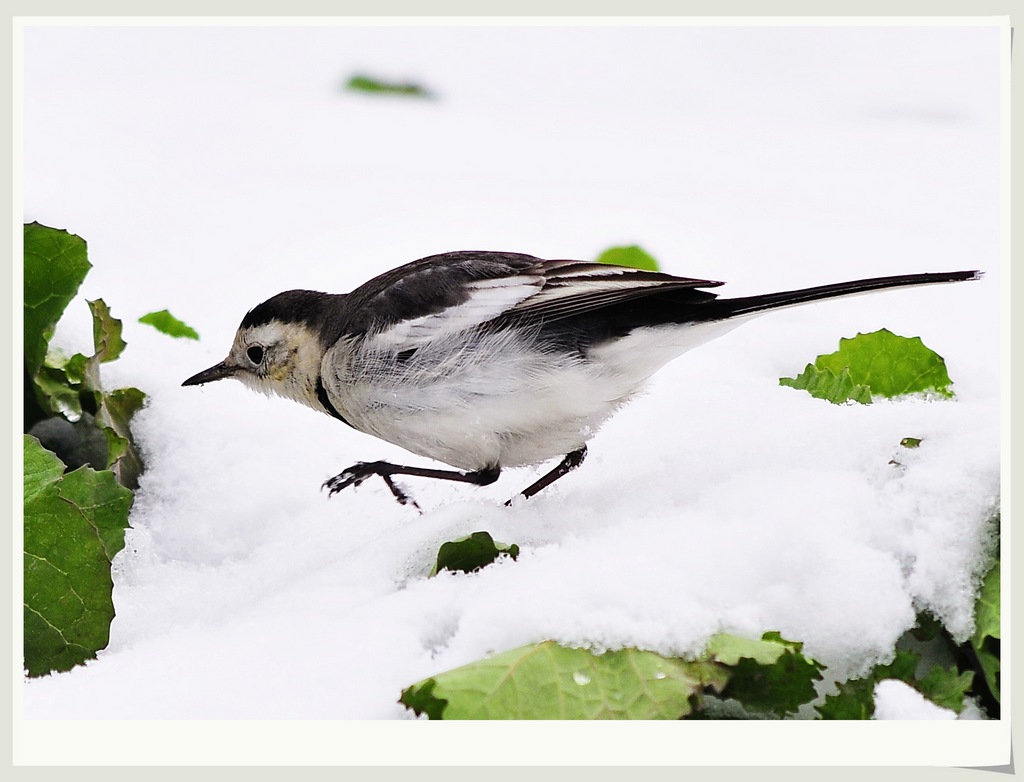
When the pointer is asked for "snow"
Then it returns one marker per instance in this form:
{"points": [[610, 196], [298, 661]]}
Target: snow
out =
{"points": [[896, 700], [209, 168]]}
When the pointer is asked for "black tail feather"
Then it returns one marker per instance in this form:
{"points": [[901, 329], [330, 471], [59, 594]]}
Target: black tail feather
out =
{"points": [[748, 305]]}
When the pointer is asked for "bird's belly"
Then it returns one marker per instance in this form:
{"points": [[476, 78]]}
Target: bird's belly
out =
{"points": [[522, 425], [526, 408]]}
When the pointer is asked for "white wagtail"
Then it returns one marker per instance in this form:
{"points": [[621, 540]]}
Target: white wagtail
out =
{"points": [[487, 360]]}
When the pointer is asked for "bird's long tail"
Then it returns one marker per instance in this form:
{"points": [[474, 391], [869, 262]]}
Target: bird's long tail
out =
{"points": [[750, 305]]}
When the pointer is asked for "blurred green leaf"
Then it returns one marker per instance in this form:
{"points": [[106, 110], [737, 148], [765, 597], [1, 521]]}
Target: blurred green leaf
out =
{"points": [[632, 256], [364, 83], [164, 322]]}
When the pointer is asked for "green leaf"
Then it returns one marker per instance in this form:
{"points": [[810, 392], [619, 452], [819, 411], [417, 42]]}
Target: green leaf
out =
{"points": [[826, 384], [854, 701], [363, 83], [986, 614], [985, 640], [770, 675], [74, 524], [106, 333], [61, 395], [105, 503], [548, 681], [877, 364], [115, 415], [471, 553], [41, 468], [946, 687], [927, 628], [730, 649], [56, 262], [631, 255], [164, 322], [856, 697], [911, 442], [421, 699]]}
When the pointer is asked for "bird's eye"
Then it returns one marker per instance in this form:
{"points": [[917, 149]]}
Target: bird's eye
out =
{"points": [[255, 354]]}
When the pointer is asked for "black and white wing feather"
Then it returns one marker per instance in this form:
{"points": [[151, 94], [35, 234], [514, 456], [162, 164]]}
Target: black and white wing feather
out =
{"points": [[450, 293]]}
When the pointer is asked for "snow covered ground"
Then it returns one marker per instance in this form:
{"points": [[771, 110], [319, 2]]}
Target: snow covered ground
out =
{"points": [[209, 168]]}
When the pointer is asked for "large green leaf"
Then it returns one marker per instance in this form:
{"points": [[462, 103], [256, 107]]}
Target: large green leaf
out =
{"points": [[74, 524], [56, 262], [548, 681], [877, 364]]}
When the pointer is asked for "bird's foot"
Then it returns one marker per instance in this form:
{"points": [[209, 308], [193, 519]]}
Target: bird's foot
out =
{"points": [[360, 471]]}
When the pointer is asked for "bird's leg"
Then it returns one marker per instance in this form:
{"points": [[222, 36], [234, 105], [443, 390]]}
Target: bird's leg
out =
{"points": [[360, 471], [569, 463]]}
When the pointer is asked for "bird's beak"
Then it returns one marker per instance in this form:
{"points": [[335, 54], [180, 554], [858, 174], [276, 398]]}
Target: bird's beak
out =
{"points": [[216, 372]]}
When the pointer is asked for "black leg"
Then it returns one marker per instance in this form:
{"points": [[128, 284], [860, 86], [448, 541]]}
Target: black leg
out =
{"points": [[569, 463], [360, 471]]}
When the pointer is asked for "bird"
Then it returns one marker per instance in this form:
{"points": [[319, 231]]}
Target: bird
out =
{"points": [[487, 360]]}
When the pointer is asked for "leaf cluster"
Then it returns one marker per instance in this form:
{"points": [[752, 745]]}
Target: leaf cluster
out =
{"points": [[75, 520], [66, 406]]}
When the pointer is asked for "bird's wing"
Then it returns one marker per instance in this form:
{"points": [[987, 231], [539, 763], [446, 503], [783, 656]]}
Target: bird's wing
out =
{"points": [[446, 294], [443, 294], [574, 287]]}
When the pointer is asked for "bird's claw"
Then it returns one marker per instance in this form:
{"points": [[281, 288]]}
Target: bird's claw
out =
{"points": [[359, 472], [353, 476]]}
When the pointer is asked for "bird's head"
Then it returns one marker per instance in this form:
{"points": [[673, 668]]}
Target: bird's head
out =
{"points": [[279, 347]]}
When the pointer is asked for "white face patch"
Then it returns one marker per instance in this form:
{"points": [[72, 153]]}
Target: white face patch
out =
{"points": [[278, 358]]}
